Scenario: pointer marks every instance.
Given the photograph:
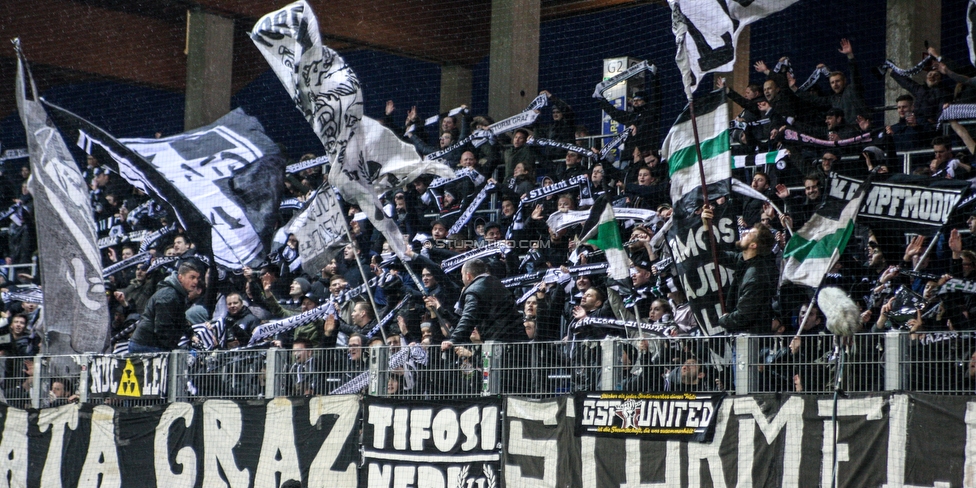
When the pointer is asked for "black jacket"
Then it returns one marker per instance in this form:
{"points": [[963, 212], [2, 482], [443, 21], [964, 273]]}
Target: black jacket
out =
{"points": [[163, 321], [750, 297], [489, 306]]}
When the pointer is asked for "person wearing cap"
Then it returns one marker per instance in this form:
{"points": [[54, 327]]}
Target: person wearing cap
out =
{"points": [[875, 158], [135, 296], [643, 120]]}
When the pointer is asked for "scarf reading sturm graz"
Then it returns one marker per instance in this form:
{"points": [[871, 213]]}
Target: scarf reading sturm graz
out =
{"points": [[328, 93], [451, 264], [581, 182], [532, 141], [655, 329]]}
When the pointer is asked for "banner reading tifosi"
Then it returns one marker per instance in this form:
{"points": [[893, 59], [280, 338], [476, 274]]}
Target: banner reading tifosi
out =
{"points": [[132, 377], [658, 416], [435, 445]]}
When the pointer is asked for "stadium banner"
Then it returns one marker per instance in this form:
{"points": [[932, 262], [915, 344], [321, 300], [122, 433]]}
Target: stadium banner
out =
{"points": [[436, 445], [659, 416], [311, 440], [760, 440], [142, 376], [885, 439]]}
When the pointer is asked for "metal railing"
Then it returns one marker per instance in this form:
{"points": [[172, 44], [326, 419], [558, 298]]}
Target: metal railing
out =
{"points": [[933, 362]]}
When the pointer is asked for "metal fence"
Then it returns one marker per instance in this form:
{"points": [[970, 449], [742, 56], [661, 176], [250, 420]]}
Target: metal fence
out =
{"points": [[934, 362]]}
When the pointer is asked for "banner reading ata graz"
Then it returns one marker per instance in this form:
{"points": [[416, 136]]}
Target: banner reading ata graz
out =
{"points": [[445, 444], [131, 377], [683, 416]]}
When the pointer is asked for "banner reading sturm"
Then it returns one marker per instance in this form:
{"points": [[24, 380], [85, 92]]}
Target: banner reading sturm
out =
{"points": [[444, 444], [656, 416]]}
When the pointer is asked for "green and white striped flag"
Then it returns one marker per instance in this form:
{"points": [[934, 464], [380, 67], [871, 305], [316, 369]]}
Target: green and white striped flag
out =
{"points": [[601, 230], [814, 249], [753, 160], [712, 114]]}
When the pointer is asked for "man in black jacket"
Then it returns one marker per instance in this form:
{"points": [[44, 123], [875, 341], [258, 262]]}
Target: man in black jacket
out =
{"points": [[486, 304], [163, 321], [751, 295]]}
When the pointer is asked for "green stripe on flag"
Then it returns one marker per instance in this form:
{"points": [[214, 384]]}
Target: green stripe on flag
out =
{"points": [[686, 156], [771, 157], [607, 236], [800, 248]]}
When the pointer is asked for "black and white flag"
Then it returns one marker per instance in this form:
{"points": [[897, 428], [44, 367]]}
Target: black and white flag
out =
{"points": [[706, 33], [328, 93], [76, 315], [319, 230], [222, 181], [231, 171]]}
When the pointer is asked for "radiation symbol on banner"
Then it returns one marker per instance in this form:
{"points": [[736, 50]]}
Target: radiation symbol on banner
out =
{"points": [[129, 385]]}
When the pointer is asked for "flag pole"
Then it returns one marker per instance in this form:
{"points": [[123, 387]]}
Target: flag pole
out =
{"points": [[717, 275], [362, 272]]}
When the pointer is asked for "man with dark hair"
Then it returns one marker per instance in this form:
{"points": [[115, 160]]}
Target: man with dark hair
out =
{"points": [[750, 297], [485, 303], [909, 133], [163, 321], [799, 209], [520, 152]]}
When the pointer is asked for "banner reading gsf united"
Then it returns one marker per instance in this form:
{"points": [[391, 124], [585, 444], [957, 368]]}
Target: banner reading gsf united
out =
{"points": [[656, 416], [444, 444]]}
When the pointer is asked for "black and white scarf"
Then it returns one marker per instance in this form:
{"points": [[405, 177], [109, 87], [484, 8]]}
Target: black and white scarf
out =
{"points": [[914, 70], [472, 208], [814, 78], [532, 141]]}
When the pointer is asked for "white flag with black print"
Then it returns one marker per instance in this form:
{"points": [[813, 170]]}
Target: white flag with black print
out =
{"points": [[706, 32], [318, 229], [325, 89], [75, 313]]}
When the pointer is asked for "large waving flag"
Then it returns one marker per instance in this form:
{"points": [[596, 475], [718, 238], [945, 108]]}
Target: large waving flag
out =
{"points": [[601, 230], [75, 312], [817, 246], [325, 89], [679, 146], [706, 33], [223, 181]]}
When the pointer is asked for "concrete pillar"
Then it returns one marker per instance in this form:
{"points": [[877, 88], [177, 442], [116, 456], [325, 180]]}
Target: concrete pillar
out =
{"points": [[456, 82], [513, 79], [909, 24], [209, 63], [738, 78]]}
